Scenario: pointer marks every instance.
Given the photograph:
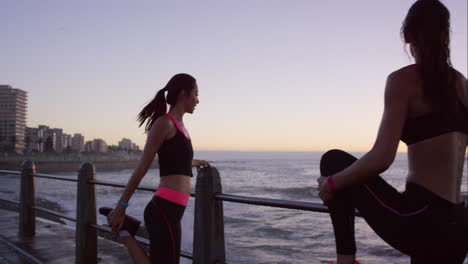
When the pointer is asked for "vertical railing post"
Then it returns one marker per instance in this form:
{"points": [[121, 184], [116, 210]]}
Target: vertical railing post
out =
{"points": [[27, 216], [208, 238], [86, 236]]}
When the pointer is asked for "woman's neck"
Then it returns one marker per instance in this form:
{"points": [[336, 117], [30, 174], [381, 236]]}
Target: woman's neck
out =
{"points": [[177, 113]]}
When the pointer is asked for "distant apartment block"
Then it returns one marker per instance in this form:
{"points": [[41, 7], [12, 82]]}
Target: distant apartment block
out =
{"points": [[46, 139], [58, 139], [13, 105], [96, 145], [78, 143], [127, 144], [88, 146], [50, 139], [99, 145], [67, 141], [32, 140]]}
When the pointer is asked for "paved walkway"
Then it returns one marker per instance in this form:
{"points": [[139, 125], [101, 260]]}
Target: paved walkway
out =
{"points": [[53, 243], [9, 254]]}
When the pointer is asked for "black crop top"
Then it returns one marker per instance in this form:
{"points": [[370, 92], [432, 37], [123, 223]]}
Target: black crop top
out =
{"points": [[176, 154], [434, 124]]}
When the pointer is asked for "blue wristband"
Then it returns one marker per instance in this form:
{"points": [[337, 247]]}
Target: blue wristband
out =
{"points": [[124, 204]]}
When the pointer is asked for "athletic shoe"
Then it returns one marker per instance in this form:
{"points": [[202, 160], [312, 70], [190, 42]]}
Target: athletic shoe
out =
{"points": [[130, 224]]}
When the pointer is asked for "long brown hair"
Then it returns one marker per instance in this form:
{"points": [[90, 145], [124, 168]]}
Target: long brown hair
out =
{"points": [[158, 106], [426, 29]]}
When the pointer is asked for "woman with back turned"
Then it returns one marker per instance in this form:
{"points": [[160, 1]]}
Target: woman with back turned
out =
{"points": [[168, 137], [426, 106]]}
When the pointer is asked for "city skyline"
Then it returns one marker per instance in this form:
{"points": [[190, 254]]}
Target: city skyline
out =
{"points": [[36, 138], [273, 75]]}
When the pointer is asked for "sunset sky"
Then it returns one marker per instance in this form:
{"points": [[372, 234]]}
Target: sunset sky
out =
{"points": [[289, 75]]}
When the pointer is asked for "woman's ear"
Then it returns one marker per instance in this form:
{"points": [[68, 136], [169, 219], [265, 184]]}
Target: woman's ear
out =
{"points": [[182, 94]]}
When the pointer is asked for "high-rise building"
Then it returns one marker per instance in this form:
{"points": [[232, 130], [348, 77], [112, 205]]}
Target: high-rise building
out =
{"points": [[78, 143], [13, 105]]}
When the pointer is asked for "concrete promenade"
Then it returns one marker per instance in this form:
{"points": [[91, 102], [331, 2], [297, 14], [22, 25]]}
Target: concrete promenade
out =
{"points": [[53, 243]]}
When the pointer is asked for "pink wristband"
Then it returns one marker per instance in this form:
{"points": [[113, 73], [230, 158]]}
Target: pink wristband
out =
{"points": [[330, 183]]}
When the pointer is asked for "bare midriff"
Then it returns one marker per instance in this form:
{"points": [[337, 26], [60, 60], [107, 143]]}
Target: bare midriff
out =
{"points": [[437, 164], [177, 182]]}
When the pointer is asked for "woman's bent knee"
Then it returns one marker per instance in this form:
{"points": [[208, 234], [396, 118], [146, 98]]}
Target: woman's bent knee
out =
{"points": [[334, 161]]}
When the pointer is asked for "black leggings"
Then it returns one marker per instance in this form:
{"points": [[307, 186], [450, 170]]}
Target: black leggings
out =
{"points": [[416, 222], [162, 220]]}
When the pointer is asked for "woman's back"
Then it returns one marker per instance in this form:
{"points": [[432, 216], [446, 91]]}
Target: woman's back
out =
{"points": [[436, 162]]}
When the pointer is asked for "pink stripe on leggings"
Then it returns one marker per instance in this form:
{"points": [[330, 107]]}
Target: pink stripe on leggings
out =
{"points": [[391, 209], [169, 228], [172, 195]]}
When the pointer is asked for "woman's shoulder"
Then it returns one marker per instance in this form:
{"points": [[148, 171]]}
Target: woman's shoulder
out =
{"points": [[163, 123], [407, 72], [403, 81]]}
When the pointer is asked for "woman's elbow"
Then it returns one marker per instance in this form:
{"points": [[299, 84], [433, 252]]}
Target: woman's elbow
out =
{"points": [[382, 161]]}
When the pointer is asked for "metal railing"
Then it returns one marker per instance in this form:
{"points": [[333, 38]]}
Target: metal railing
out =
{"points": [[209, 246], [28, 170]]}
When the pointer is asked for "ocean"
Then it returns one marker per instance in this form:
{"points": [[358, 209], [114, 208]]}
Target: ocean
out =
{"points": [[253, 234]]}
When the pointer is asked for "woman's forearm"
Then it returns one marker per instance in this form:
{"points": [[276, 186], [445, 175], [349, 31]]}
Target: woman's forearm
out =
{"points": [[138, 174], [368, 166], [133, 183]]}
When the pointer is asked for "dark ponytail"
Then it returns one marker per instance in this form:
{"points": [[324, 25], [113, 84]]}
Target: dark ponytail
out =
{"points": [[427, 29], [158, 106]]}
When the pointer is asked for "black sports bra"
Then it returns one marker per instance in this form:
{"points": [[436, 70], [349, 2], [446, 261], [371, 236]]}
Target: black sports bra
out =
{"points": [[176, 154], [434, 124]]}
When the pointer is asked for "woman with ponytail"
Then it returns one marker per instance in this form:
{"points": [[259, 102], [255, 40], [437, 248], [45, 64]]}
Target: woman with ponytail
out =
{"points": [[426, 106], [168, 137]]}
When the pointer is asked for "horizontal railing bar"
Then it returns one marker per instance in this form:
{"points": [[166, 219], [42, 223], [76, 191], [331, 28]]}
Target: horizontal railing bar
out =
{"points": [[107, 183], [16, 204], [141, 187], [10, 201], [41, 209], [102, 228], [186, 254], [149, 188], [10, 172], [143, 241], [54, 177], [315, 207], [29, 257], [122, 185], [51, 212], [306, 206]]}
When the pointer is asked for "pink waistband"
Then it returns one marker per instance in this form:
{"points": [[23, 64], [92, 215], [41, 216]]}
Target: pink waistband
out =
{"points": [[172, 195]]}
